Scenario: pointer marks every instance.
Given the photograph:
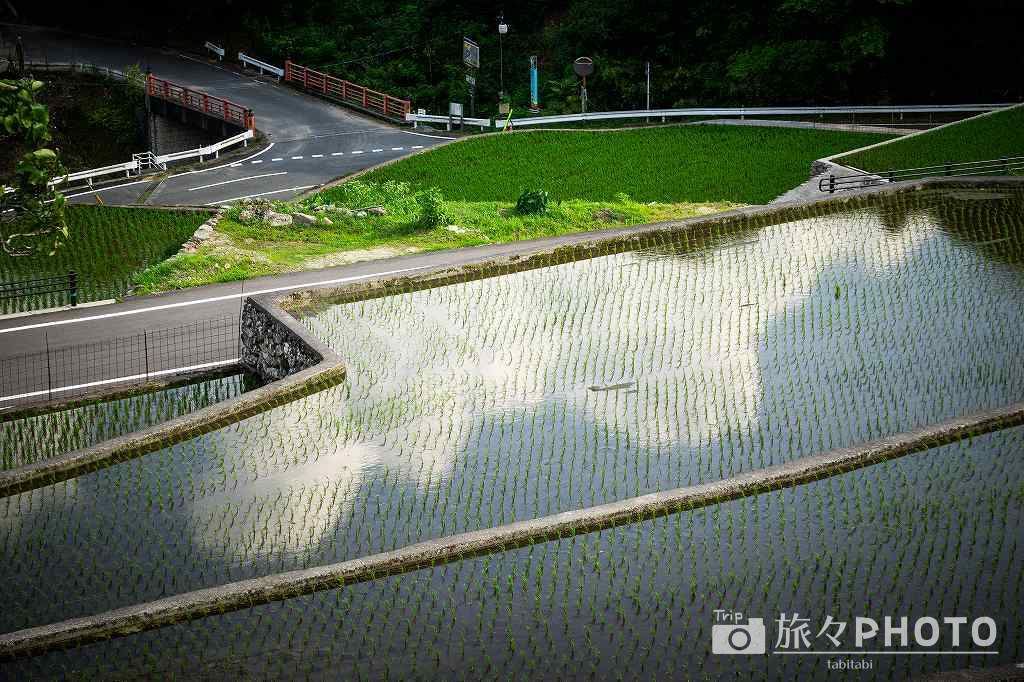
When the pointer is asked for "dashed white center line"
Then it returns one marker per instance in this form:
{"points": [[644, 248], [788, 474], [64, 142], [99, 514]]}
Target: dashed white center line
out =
{"points": [[377, 150], [416, 146], [235, 165], [260, 161], [397, 149], [317, 156], [296, 158], [358, 152], [228, 182], [337, 153], [277, 159]]}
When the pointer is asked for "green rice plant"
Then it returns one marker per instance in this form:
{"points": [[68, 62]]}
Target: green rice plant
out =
{"points": [[106, 246], [671, 164]]}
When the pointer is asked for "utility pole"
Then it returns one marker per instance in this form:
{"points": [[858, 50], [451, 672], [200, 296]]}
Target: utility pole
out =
{"points": [[647, 72], [502, 30]]}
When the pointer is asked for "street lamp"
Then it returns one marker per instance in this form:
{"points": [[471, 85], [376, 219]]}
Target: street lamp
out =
{"points": [[502, 30]]}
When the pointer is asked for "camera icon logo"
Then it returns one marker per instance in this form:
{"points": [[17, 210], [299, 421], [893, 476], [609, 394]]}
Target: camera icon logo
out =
{"points": [[732, 638]]}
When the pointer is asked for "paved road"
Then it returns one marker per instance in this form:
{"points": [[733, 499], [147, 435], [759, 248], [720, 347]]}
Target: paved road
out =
{"points": [[313, 140]]}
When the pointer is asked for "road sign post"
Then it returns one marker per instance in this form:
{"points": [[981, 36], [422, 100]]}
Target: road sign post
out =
{"points": [[471, 58], [583, 66]]}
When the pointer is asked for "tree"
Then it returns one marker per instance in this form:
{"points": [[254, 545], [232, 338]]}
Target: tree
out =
{"points": [[31, 211]]}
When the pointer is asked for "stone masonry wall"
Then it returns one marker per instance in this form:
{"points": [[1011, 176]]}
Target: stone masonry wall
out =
{"points": [[272, 343]]}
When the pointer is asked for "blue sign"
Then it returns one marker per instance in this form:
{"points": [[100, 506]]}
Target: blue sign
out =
{"points": [[534, 97]]}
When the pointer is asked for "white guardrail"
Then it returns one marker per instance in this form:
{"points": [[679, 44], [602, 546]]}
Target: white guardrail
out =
{"points": [[211, 150], [741, 112], [262, 66], [162, 160], [214, 48]]}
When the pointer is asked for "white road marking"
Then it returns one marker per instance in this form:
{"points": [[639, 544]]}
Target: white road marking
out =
{"points": [[104, 189], [377, 150], [261, 194], [278, 158], [213, 168], [337, 153], [213, 299], [228, 182], [397, 149], [437, 137], [133, 377], [317, 156], [296, 158], [234, 165], [260, 161], [416, 146], [358, 152]]}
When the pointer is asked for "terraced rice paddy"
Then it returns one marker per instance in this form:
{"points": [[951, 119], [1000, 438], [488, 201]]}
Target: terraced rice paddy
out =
{"points": [[106, 246], [29, 439], [688, 359], [934, 533]]}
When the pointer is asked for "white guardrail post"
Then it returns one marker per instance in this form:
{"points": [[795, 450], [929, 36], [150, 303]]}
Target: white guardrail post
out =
{"points": [[262, 66], [216, 49], [741, 112]]}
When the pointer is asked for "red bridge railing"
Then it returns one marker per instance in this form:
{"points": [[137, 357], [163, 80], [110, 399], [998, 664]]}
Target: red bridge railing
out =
{"points": [[351, 93], [200, 101]]}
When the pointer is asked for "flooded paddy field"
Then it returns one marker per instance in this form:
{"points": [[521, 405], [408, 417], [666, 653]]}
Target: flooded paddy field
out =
{"points": [[687, 360], [32, 438], [930, 534]]}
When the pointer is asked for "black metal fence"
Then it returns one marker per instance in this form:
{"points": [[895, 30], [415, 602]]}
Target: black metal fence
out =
{"points": [[58, 373], [34, 288], [1003, 166]]}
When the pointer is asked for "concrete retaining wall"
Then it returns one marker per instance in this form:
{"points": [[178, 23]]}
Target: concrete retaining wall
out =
{"points": [[273, 344]]}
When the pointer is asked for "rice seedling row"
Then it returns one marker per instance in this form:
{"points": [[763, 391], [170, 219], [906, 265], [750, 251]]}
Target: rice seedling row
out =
{"points": [[106, 246], [933, 534], [672, 164], [34, 438]]}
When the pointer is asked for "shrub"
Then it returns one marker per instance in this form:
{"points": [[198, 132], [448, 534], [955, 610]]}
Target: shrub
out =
{"points": [[532, 201], [432, 208]]}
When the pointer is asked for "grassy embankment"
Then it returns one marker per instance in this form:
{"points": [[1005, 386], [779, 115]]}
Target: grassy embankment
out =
{"points": [[106, 247], [595, 179], [976, 139]]}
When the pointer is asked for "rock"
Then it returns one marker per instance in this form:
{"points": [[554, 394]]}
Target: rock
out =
{"points": [[377, 210], [279, 219], [305, 218], [246, 216], [360, 214], [606, 215], [325, 207], [324, 220], [457, 229]]}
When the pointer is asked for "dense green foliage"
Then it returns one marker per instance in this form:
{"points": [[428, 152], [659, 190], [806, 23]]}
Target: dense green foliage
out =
{"points": [[687, 163], [702, 52], [31, 213], [106, 246], [978, 139], [532, 201]]}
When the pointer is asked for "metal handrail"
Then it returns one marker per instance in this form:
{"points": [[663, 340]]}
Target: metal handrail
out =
{"points": [[732, 112], [262, 66], [836, 183], [44, 285]]}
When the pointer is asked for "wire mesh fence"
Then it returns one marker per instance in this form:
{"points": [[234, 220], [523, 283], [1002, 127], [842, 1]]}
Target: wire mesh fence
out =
{"points": [[59, 373]]}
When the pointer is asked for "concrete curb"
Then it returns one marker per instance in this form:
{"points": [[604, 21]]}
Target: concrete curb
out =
{"points": [[327, 372], [247, 593]]}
